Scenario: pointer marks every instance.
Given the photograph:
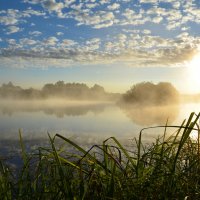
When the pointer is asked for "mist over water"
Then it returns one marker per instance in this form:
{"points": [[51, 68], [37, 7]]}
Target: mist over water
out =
{"points": [[52, 106], [84, 122], [139, 114], [152, 115], [77, 117], [88, 116]]}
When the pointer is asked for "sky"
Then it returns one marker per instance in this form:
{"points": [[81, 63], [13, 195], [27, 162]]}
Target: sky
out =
{"points": [[114, 43]]}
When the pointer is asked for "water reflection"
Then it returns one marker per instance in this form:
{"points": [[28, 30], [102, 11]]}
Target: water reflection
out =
{"points": [[140, 115], [151, 115], [86, 123], [59, 108]]}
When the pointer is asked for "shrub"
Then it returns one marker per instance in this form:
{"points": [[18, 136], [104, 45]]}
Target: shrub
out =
{"points": [[147, 93]]}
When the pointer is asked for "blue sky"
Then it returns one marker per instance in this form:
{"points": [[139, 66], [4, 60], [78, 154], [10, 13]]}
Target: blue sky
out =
{"points": [[113, 43]]}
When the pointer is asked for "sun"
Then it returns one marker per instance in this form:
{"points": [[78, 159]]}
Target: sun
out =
{"points": [[194, 72]]}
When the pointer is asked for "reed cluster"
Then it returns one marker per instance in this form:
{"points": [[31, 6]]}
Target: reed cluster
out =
{"points": [[169, 168]]}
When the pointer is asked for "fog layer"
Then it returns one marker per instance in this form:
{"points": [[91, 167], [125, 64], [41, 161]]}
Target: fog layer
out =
{"points": [[52, 106]]}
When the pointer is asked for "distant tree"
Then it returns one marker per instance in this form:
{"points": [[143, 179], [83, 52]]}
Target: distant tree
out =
{"points": [[9, 90], [47, 90], [97, 88], [147, 93], [60, 84], [30, 93]]}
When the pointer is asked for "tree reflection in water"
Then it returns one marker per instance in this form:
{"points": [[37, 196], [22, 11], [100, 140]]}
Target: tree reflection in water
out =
{"points": [[59, 108], [151, 115]]}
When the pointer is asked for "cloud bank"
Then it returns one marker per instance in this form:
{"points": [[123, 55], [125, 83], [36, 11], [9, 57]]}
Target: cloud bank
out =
{"points": [[139, 34]]}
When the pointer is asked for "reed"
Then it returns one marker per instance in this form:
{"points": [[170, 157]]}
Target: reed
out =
{"points": [[169, 168]]}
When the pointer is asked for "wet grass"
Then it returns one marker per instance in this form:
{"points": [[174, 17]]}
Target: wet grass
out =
{"points": [[169, 168]]}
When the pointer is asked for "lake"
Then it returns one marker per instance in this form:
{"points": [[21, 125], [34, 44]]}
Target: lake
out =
{"points": [[86, 123]]}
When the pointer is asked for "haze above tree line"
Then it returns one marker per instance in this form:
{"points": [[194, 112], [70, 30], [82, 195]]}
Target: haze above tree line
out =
{"points": [[144, 93]]}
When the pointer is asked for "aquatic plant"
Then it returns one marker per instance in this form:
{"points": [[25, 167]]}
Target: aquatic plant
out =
{"points": [[169, 168]]}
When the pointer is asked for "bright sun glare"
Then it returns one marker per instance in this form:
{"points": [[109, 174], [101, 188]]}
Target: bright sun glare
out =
{"points": [[194, 72]]}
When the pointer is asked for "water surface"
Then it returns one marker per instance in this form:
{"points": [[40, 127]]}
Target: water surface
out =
{"points": [[86, 123]]}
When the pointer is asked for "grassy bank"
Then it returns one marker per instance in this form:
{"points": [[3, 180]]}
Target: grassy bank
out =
{"points": [[169, 168]]}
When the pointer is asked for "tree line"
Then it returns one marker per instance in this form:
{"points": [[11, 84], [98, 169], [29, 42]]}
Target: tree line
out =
{"points": [[145, 93], [58, 90]]}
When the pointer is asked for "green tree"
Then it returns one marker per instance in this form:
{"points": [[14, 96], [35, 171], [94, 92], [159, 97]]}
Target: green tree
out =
{"points": [[147, 93]]}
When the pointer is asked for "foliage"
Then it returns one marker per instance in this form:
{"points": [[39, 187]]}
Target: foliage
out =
{"points": [[147, 93], [78, 91], [167, 169]]}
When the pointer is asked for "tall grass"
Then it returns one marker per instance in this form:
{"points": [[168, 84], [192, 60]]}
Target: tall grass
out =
{"points": [[169, 168]]}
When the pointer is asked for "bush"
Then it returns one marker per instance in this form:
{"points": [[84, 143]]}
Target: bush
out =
{"points": [[147, 93]]}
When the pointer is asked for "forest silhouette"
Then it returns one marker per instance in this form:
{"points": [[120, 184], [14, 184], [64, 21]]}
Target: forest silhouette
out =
{"points": [[73, 91]]}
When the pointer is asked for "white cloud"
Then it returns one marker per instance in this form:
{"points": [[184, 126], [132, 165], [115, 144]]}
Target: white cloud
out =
{"points": [[69, 2], [5, 20], [91, 5], [51, 41], [127, 41], [27, 41], [35, 33], [113, 6], [173, 25], [104, 2], [174, 15], [13, 17], [176, 4], [126, 49], [148, 1], [137, 18], [59, 33], [122, 37], [129, 14], [183, 35], [103, 25], [157, 11], [92, 44], [157, 19], [30, 12], [82, 12], [185, 28], [68, 43], [168, 1], [77, 7], [97, 20], [93, 40], [11, 41], [32, 1], [13, 29], [2, 12], [52, 5], [146, 31]]}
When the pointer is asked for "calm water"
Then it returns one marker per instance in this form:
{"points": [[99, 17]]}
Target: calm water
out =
{"points": [[86, 123]]}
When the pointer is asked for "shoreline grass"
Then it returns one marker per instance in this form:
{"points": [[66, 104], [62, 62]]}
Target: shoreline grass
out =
{"points": [[169, 168]]}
